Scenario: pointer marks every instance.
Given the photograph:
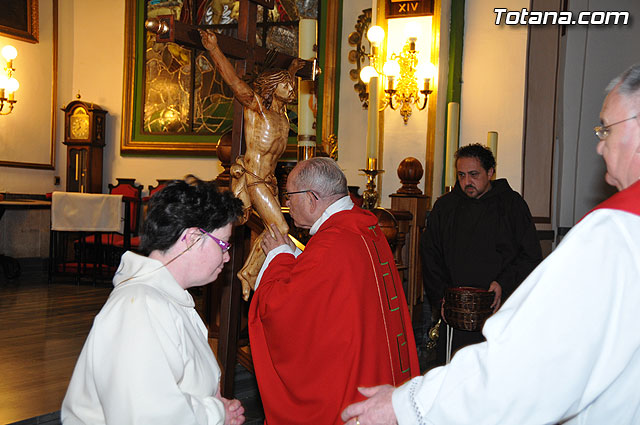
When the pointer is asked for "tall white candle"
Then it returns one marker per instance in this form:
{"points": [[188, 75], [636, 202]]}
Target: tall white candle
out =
{"points": [[453, 118], [307, 30], [492, 142], [307, 39], [372, 128]]}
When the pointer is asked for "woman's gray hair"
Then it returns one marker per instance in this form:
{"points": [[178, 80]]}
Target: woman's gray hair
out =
{"points": [[629, 82], [323, 176]]}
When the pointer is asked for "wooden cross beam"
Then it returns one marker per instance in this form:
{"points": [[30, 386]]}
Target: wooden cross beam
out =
{"points": [[168, 29], [231, 299]]}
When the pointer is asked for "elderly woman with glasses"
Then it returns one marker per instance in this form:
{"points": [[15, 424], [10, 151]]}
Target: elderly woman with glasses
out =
{"points": [[147, 358]]}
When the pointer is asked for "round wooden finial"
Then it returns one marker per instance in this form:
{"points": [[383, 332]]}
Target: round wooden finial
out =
{"points": [[223, 150], [410, 172], [388, 224]]}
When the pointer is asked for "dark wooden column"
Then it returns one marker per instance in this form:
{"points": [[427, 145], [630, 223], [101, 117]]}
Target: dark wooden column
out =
{"points": [[410, 198], [232, 291]]}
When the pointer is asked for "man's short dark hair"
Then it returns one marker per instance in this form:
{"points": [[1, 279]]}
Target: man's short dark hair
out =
{"points": [[184, 204], [480, 152]]}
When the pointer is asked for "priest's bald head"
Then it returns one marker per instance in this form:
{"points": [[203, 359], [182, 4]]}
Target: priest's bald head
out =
{"points": [[312, 186], [619, 132]]}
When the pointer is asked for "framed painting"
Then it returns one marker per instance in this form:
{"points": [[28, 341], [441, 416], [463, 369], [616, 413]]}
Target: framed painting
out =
{"points": [[174, 101], [22, 144], [19, 20]]}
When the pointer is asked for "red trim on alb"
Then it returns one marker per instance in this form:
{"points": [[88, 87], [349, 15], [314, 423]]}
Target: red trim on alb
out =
{"points": [[626, 200]]}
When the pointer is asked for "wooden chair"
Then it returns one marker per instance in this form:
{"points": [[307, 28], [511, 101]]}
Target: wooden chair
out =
{"points": [[161, 184], [145, 201], [116, 243], [133, 193]]}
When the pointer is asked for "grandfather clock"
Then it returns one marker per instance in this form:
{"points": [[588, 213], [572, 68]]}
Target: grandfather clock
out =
{"points": [[84, 125]]}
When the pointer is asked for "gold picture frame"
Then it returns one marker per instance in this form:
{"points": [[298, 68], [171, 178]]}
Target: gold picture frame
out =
{"points": [[23, 144], [202, 145], [19, 20]]}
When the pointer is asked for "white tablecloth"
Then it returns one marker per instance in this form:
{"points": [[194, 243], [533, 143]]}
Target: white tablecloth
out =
{"points": [[96, 212]]}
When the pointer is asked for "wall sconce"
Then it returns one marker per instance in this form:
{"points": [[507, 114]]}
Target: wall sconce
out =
{"points": [[408, 81], [8, 84]]}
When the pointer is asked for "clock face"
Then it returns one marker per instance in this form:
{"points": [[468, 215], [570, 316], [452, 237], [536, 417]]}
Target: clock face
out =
{"points": [[79, 124]]}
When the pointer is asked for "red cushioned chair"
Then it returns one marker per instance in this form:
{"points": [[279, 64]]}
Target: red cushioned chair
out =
{"points": [[116, 243], [145, 201]]}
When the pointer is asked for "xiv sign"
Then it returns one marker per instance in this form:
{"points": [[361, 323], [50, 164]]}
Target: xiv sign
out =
{"points": [[405, 9]]}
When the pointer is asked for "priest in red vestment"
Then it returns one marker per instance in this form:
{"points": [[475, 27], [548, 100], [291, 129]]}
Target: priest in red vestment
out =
{"points": [[333, 318]]}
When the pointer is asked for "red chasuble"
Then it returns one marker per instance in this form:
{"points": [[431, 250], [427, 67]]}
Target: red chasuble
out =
{"points": [[329, 321]]}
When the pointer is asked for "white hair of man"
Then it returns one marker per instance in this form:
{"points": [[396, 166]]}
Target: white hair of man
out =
{"points": [[323, 176], [629, 82]]}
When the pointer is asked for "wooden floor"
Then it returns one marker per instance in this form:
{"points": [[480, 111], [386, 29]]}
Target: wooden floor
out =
{"points": [[42, 330]]}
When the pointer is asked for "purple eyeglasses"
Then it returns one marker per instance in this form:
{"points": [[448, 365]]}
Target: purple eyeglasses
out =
{"points": [[224, 245]]}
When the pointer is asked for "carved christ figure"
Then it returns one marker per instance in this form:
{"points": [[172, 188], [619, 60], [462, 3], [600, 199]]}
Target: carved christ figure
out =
{"points": [[266, 128]]}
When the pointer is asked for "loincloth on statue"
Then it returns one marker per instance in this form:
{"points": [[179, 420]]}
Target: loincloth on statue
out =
{"points": [[238, 171], [243, 180]]}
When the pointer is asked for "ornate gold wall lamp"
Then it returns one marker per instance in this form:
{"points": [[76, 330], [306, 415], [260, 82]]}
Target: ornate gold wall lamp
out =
{"points": [[8, 84], [408, 80], [406, 91]]}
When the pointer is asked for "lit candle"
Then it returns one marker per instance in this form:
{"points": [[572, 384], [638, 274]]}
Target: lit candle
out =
{"points": [[372, 129], [453, 117], [492, 142]]}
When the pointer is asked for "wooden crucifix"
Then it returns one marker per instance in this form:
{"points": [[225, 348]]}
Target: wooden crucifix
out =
{"points": [[259, 119]]}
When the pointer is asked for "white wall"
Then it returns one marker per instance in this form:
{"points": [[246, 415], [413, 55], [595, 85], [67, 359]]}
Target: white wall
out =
{"points": [[493, 80]]}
